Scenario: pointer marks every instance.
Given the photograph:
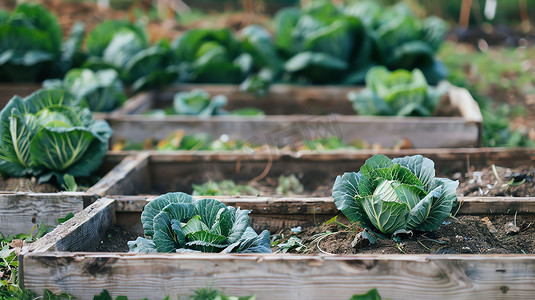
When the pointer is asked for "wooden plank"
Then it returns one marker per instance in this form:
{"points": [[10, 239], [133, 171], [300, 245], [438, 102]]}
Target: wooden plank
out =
{"points": [[432, 132], [273, 276], [325, 205], [19, 212], [82, 232], [266, 275], [277, 129]]}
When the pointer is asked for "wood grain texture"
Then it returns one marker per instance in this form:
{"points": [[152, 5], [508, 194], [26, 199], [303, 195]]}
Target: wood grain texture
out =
{"points": [[19, 212], [82, 232], [325, 205], [432, 132], [286, 107], [272, 276], [275, 213], [269, 276]]}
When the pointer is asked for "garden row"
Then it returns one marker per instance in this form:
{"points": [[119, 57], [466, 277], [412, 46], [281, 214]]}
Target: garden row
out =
{"points": [[279, 153], [88, 247], [298, 52]]}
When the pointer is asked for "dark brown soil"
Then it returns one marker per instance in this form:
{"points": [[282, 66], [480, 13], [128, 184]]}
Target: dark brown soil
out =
{"points": [[116, 240], [26, 185], [463, 235], [515, 182]]}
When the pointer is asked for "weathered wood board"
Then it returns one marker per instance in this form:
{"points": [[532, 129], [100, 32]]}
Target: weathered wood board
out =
{"points": [[51, 263], [303, 113], [20, 211], [178, 170]]}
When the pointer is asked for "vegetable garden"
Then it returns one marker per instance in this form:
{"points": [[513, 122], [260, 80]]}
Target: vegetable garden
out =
{"points": [[353, 150]]}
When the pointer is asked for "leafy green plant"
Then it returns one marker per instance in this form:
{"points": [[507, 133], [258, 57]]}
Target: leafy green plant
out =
{"points": [[124, 46], [211, 56], [266, 64], [102, 90], [31, 44], [400, 93], [175, 222], [289, 184], [179, 141], [9, 264], [42, 135], [372, 294], [198, 103], [394, 196], [200, 294], [69, 183], [223, 188], [402, 40], [213, 294], [328, 143], [320, 44]]}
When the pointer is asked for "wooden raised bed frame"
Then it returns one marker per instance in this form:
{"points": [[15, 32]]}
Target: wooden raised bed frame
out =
{"points": [[63, 261], [20, 211], [160, 172], [289, 109]]}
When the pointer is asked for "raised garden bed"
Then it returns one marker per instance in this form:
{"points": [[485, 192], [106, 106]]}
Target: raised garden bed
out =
{"points": [[288, 115], [161, 172], [65, 260], [20, 210]]}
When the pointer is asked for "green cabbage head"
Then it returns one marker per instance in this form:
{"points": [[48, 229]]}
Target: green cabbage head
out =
{"points": [[44, 135], [395, 195], [175, 222]]}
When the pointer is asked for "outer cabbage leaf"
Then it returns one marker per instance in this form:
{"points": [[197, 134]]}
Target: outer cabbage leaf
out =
{"points": [[347, 199], [395, 195], [400, 93], [158, 204], [30, 41], [43, 135], [101, 90], [102, 35], [199, 103], [177, 223]]}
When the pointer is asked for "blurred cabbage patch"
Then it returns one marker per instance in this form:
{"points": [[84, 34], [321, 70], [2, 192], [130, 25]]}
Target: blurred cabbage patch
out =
{"points": [[31, 46]]}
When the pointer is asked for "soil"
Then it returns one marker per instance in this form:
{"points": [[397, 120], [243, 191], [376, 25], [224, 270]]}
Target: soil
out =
{"points": [[26, 185], [461, 235], [116, 240], [515, 182]]}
